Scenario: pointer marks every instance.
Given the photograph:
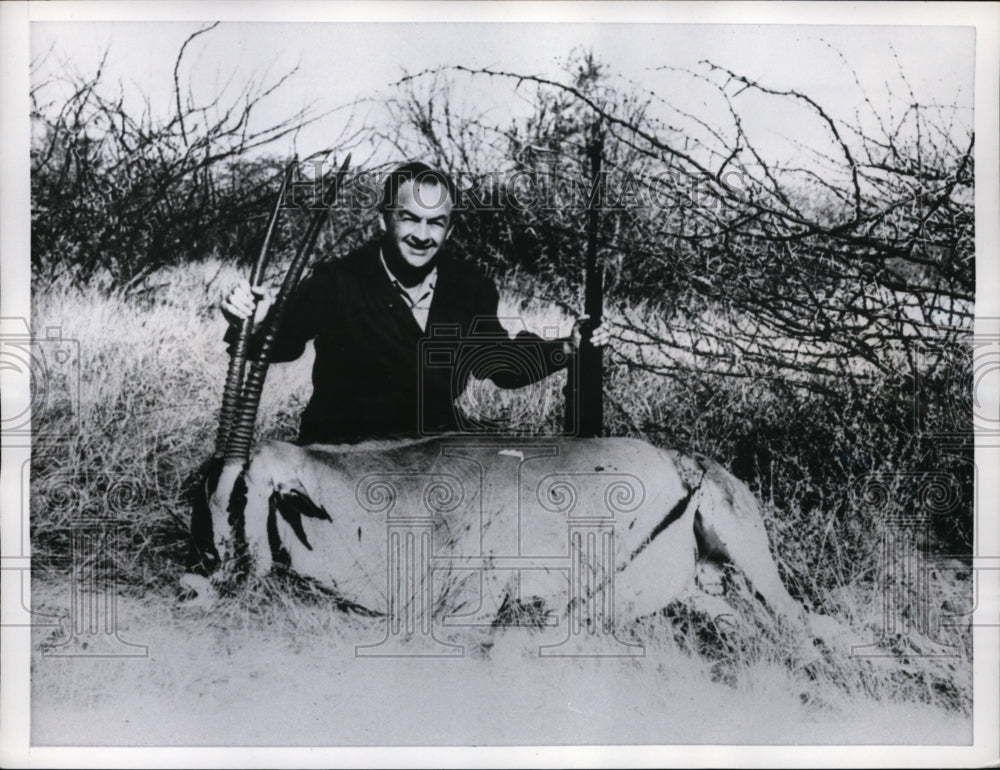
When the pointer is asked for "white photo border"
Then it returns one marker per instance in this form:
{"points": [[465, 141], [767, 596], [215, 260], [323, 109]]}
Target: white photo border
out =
{"points": [[15, 18]]}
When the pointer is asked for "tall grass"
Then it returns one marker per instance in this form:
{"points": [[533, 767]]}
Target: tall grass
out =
{"points": [[152, 366]]}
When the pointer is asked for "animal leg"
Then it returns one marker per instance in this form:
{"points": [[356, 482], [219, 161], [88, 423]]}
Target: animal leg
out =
{"points": [[729, 527], [662, 569]]}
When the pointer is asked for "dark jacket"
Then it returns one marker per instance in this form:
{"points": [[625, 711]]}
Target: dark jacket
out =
{"points": [[377, 373]]}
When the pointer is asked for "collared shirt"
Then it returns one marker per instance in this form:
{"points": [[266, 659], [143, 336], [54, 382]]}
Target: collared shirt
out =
{"points": [[369, 379], [417, 298]]}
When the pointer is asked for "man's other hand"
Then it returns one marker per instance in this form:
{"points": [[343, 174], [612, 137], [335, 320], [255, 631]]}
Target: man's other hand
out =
{"points": [[599, 337], [242, 300]]}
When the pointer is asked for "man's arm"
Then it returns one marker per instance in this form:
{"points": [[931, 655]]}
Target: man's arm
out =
{"points": [[525, 359]]}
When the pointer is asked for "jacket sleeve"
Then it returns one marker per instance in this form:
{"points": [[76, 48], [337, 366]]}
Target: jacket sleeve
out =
{"points": [[303, 319], [511, 363]]}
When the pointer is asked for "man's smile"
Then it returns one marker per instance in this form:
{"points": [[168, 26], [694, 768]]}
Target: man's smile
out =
{"points": [[419, 250]]}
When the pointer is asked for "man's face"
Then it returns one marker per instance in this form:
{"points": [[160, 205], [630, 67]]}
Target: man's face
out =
{"points": [[420, 222]]}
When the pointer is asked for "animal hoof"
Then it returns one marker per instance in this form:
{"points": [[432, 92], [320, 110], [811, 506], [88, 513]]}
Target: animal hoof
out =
{"points": [[196, 591], [710, 579], [832, 632]]}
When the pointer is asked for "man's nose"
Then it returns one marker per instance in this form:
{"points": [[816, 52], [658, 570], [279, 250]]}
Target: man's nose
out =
{"points": [[422, 231]]}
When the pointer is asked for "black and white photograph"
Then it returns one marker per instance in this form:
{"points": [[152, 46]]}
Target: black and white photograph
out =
{"points": [[500, 384]]}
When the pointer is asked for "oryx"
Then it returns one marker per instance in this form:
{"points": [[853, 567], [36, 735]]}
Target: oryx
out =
{"points": [[502, 510], [327, 511]]}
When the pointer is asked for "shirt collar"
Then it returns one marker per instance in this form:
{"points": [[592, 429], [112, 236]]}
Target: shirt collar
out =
{"points": [[414, 292]]}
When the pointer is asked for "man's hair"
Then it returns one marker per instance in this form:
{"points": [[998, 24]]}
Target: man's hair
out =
{"points": [[419, 173]]}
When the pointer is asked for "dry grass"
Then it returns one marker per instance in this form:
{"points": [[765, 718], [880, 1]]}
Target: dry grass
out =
{"points": [[274, 671], [151, 373]]}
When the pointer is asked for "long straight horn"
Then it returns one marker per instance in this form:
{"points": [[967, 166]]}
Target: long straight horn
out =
{"points": [[238, 355], [241, 437]]}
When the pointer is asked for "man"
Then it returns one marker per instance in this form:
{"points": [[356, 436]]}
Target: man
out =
{"points": [[370, 312]]}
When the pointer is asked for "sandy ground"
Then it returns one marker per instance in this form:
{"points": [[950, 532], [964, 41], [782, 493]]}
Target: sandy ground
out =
{"points": [[203, 682]]}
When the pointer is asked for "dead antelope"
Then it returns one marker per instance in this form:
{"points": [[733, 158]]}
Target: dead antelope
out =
{"points": [[473, 524], [498, 506]]}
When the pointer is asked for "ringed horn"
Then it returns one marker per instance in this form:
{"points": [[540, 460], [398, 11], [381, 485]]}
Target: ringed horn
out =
{"points": [[241, 397], [238, 356]]}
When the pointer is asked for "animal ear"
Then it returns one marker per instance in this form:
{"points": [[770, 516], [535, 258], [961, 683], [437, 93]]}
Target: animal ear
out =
{"points": [[295, 501], [293, 505]]}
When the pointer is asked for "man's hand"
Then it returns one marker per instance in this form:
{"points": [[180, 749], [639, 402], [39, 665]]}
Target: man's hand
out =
{"points": [[600, 337], [240, 303]]}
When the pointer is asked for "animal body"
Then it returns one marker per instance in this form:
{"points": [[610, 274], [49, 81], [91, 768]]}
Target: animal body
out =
{"points": [[465, 526], [495, 520]]}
